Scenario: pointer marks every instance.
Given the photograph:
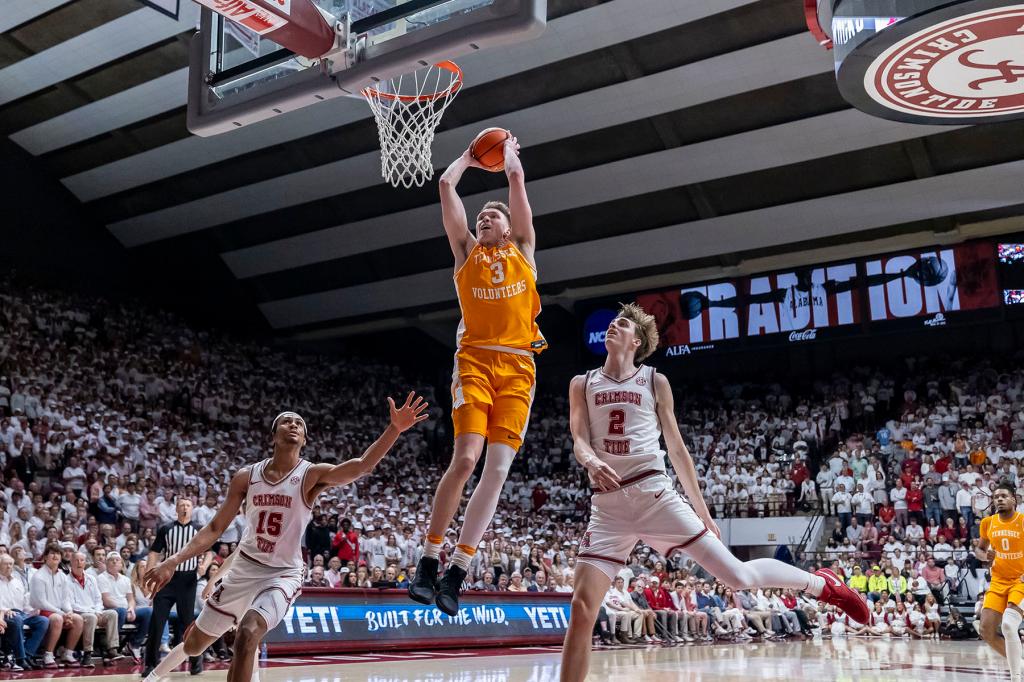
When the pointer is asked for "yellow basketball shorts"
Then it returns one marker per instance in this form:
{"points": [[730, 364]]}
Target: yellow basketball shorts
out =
{"points": [[492, 392], [1001, 592]]}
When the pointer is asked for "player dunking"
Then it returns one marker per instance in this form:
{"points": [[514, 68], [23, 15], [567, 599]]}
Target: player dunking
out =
{"points": [[494, 377], [1002, 543], [617, 415], [279, 494]]}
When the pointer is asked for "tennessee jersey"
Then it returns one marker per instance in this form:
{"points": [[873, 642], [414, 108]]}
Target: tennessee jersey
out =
{"points": [[1007, 539], [497, 291]]}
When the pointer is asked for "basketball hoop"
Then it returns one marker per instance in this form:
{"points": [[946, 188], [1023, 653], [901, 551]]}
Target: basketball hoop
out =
{"points": [[407, 110]]}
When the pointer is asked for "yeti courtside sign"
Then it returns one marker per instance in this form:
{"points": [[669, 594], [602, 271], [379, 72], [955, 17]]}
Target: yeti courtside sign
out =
{"points": [[962, 63]]}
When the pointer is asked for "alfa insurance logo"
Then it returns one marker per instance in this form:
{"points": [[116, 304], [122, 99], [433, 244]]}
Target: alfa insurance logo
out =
{"points": [[970, 66]]}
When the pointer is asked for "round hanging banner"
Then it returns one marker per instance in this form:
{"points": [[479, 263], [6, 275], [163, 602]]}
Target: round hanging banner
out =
{"points": [[961, 63]]}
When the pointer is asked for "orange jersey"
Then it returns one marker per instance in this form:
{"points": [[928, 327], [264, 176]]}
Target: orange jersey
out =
{"points": [[497, 291], [1007, 539]]}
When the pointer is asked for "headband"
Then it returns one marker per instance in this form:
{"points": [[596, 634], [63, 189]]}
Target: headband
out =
{"points": [[273, 426]]}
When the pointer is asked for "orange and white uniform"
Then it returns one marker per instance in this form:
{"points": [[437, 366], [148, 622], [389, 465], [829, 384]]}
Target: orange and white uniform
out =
{"points": [[495, 376], [1007, 539]]}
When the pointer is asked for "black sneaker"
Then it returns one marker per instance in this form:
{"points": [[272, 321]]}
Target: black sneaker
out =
{"points": [[195, 665], [448, 590], [86, 661], [424, 588]]}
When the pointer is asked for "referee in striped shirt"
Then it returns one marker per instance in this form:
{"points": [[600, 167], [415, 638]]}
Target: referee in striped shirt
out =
{"points": [[180, 591]]}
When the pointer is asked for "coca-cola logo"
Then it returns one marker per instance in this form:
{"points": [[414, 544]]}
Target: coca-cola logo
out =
{"points": [[969, 67], [805, 335]]}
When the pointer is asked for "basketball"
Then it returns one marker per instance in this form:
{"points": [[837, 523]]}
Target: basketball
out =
{"points": [[489, 148]]}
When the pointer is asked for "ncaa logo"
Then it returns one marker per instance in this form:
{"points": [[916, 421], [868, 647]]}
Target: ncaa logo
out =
{"points": [[595, 328], [964, 69]]}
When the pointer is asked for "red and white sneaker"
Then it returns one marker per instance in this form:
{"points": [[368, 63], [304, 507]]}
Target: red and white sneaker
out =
{"points": [[838, 594]]}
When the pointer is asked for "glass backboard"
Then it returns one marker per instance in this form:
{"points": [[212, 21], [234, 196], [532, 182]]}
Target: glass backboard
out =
{"points": [[238, 76]]}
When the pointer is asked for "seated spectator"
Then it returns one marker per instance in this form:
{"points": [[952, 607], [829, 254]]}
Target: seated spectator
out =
{"points": [[87, 601], [624, 617], [516, 584], [486, 583], [936, 579], [316, 578], [664, 610], [50, 594], [14, 617], [116, 590], [956, 627]]}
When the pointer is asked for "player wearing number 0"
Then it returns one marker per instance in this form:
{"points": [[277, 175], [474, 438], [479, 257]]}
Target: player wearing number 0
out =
{"points": [[1002, 543], [618, 415], [494, 377], [279, 494]]}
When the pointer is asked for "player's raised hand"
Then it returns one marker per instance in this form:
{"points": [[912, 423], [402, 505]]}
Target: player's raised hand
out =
{"points": [[410, 413], [602, 476], [512, 146], [470, 160]]}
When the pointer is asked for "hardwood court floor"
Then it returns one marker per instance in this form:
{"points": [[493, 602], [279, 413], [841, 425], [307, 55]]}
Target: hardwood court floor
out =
{"points": [[856, 660]]}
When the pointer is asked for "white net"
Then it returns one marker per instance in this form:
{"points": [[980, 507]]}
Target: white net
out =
{"points": [[407, 110]]}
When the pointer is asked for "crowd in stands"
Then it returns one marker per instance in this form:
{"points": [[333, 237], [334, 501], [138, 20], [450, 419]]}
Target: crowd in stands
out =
{"points": [[109, 412]]}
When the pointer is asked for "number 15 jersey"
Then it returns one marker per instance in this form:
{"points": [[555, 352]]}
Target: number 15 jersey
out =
{"points": [[624, 428], [276, 516], [1007, 539]]}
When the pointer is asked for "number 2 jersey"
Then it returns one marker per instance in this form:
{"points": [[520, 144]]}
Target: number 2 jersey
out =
{"points": [[624, 428], [1007, 539], [276, 517]]}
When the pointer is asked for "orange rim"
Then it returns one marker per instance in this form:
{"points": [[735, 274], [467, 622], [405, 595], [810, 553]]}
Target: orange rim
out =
{"points": [[451, 89]]}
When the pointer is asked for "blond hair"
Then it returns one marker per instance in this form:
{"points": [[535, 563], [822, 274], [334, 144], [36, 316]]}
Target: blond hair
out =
{"points": [[646, 328], [500, 206]]}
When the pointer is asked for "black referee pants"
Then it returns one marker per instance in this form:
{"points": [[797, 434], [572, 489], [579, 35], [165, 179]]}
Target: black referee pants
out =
{"points": [[179, 592]]}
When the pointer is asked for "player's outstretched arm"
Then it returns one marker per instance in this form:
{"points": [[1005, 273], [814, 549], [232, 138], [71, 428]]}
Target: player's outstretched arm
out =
{"points": [[453, 211], [156, 578], [523, 233], [323, 476], [602, 476], [678, 454]]}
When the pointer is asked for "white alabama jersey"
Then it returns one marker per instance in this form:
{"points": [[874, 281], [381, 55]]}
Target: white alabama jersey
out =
{"points": [[276, 517], [624, 428]]}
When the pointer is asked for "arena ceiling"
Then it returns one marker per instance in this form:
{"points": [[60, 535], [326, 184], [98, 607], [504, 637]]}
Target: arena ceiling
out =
{"points": [[663, 141]]}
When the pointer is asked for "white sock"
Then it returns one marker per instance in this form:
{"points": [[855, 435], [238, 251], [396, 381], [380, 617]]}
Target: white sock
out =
{"points": [[1011, 623], [484, 500], [714, 556], [431, 549], [815, 585], [461, 559], [256, 668], [171, 662]]}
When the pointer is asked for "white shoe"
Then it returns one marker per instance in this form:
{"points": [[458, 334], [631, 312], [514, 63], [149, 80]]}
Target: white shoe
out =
{"points": [[647, 639], [136, 653], [164, 649], [68, 658]]}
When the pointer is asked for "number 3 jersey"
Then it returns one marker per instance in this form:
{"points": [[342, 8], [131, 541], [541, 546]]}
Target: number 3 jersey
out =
{"points": [[497, 290], [624, 428], [276, 517]]}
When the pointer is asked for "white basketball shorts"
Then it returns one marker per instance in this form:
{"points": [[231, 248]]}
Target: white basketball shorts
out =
{"points": [[249, 585], [646, 508]]}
